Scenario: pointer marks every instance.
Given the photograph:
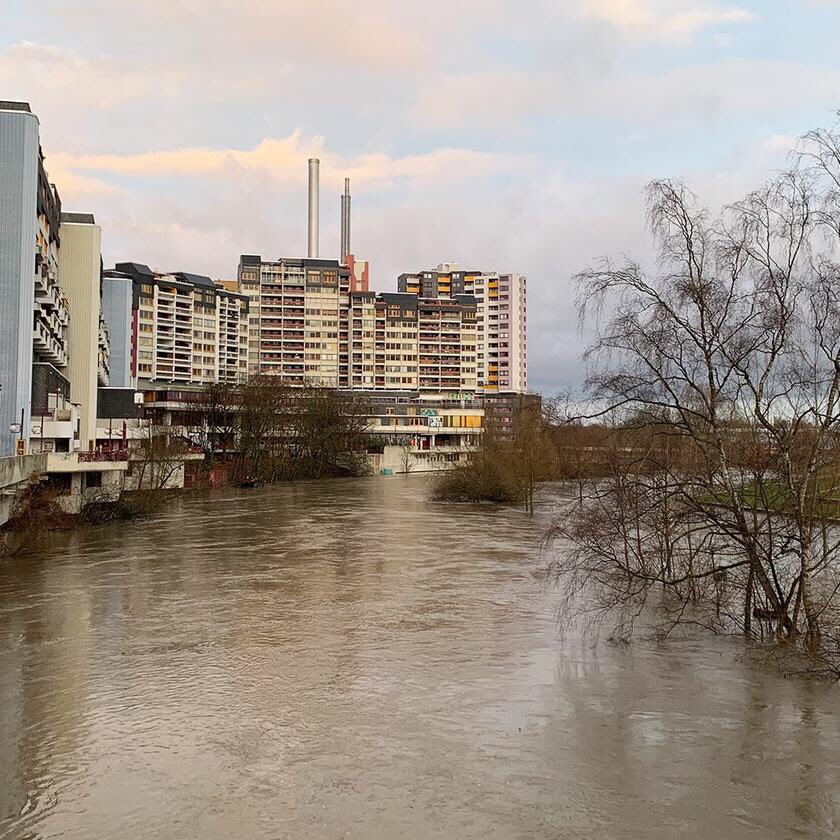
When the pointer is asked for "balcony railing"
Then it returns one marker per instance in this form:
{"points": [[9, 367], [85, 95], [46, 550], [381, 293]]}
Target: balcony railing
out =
{"points": [[105, 455]]}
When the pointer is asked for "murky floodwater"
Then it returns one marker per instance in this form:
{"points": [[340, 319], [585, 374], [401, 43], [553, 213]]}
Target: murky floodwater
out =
{"points": [[346, 659]]}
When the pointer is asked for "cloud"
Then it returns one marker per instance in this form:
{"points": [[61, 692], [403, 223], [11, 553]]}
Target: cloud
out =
{"points": [[684, 96], [283, 159], [779, 143], [53, 73], [515, 137], [675, 20]]}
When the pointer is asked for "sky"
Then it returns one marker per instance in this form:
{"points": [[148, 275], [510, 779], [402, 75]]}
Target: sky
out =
{"points": [[501, 135]]}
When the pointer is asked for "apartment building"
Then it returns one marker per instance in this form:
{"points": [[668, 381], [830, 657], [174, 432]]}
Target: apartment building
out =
{"points": [[382, 341], [34, 312], [421, 432], [297, 309], [402, 342], [80, 270], [117, 293], [185, 329], [308, 327], [501, 319]]}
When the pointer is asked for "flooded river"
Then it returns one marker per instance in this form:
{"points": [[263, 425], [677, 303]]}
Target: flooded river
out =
{"points": [[347, 659]]}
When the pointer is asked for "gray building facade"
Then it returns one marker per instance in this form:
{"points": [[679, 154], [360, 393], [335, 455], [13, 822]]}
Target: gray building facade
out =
{"points": [[19, 172], [117, 290]]}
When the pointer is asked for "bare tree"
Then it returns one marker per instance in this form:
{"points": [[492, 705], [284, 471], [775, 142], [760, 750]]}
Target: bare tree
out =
{"points": [[726, 363], [407, 453], [155, 464], [513, 460], [216, 418]]}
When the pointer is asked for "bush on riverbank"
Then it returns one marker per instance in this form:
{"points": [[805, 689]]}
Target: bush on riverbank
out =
{"points": [[509, 467], [35, 512], [135, 504], [491, 476]]}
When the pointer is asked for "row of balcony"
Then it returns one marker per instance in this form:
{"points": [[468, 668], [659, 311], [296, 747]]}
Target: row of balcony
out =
{"points": [[47, 345]]}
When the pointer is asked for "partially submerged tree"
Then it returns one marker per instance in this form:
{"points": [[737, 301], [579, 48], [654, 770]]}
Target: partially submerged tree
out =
{"points": [[284, 433], [726, 363], [216, 418], [511, 462]]}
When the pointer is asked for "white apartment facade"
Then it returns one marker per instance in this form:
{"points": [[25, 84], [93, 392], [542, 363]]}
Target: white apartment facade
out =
{"points": [[298, 311], [308, 327], [185, 329], [501, 320], [502, 346]]}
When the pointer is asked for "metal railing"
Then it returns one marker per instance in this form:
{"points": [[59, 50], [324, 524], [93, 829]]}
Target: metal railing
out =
{"points": [[105, 455]]}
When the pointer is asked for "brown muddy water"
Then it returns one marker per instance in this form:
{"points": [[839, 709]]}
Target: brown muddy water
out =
{"points": [[346, 659]]}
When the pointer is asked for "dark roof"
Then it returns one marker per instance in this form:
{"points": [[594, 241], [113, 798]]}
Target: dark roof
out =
{"points": [[194, 279], [314, 262], [135, 269], [398, 297], [78, 218], [250, 259], [7, 105]]}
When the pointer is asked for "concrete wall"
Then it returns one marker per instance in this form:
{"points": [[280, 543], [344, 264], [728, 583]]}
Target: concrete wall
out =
{"points": [[18, 231], [79, 265], [165, 476], [15, 474], [399, 460], [116, 310], [15, 470], [80, 493]]}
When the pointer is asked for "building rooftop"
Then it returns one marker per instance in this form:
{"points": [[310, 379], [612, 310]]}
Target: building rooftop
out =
{"points": [[78, 218], [398, 297], [135, 269], [194, 279], [8, 105]]}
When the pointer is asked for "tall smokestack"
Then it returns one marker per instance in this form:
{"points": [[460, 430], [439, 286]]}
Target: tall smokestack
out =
{"points": [[345, 222], [314, 164]]}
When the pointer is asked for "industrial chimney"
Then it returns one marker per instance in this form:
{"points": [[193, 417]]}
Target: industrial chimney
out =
{"points": [[314, 164], [345, 222]]}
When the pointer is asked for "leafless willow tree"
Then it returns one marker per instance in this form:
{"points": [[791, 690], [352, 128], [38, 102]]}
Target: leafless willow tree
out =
{"points": [[285, 433], [158, 462], [216, 418], [725, 361]]}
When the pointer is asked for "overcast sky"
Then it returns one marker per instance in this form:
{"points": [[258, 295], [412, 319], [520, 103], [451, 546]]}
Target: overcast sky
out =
{"points": [[509, 136]]}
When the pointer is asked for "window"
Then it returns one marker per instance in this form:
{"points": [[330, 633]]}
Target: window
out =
{"points": [[93, 479]]}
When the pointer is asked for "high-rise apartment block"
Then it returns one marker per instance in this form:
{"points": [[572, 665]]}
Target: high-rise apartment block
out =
{"points": [[309, 327], [34, 312], [402, 342], [117, 294], [296, 308], [502, 320], [80, 269], [184, 328]]}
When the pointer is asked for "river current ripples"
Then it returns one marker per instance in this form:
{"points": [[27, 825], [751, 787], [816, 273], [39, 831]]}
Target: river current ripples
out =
{"points": [[347, 659]]}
